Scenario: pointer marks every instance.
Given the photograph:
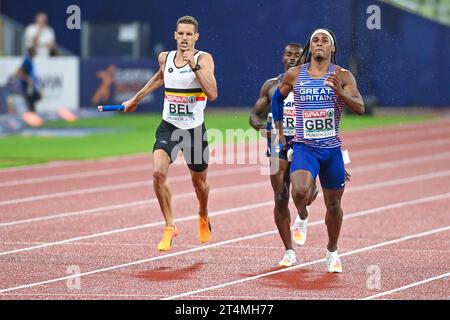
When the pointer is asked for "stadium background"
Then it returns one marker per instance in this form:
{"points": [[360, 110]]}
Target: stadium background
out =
{"points": [[403, 64]]}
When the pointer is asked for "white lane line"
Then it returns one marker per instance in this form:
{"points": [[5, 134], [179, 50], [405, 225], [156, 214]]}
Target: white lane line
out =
{"points": [[59, 164], [137, 156], [218, 244], [146, 182], [151, 296], [137, 184], [387, 164], [139, 227], [381, 136], [77, 213], [252, 145], [397, 163], [186, 245], [386, 131], [256, 185], [415, 284], [77, 175], [227, 242], [128, 204], [194, 245], [112, 187], [423, 177], [92, 173], [262, 275], [179, 162], [400, 147], [97, 173], [123, 169], [104, 296]]}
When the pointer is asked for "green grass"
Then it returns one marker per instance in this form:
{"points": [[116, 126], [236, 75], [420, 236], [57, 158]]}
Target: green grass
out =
{"points": [[135, 134]]}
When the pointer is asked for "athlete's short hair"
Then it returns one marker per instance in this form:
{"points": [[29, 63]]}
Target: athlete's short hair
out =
{"points": [[295, 44], [188, 20]]}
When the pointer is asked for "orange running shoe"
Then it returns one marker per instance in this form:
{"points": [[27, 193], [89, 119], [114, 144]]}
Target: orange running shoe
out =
{"points": [[67, 115], [204, 230], [166, 241], [33, 119]]}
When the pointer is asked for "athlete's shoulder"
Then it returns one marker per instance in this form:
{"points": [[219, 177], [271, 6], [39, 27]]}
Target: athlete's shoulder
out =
{"points": [[294, 70], [163, 57], [344, 74], [292, 74], [342, 71], [203, 54], [271, 81], [269, 84], [280, 77]]}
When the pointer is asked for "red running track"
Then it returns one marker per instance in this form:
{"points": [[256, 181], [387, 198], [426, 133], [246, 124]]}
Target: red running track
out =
{"points": [[101, 218]]}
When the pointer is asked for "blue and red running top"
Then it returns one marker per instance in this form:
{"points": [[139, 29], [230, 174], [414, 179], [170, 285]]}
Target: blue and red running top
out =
{"points": [[318, 110]]}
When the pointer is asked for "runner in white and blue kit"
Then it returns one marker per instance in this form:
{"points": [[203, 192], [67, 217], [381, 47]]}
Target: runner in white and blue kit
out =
{"points": [[188, 77], [321, 90]]}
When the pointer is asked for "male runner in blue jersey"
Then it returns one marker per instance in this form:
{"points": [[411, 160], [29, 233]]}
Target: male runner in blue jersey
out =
{"points": [[281, 179], [321, 90]]}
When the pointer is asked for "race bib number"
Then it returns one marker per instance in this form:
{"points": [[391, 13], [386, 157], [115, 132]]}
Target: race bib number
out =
{"points": [[289, 121], [180, 107], [319, 124]]}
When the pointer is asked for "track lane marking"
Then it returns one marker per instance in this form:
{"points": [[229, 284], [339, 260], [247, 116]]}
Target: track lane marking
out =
{"points": [[412, 285], [262, 275], [250, 237]]}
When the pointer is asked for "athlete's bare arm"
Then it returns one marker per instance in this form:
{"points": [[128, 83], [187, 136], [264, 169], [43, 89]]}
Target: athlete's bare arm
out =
{"points": [[288, 82], [154, 83], [344, 85], [262, 105], [205, 75], [286, 86]]}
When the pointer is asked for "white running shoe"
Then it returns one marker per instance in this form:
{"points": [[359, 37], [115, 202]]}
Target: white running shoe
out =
{"points": [[334, 264], [289, 259], [300, 231]]}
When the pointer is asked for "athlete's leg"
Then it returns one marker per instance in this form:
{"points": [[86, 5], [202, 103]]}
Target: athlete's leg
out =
{"points": [[201, 186], [161, 163], [196, 154], [304, 170], [197, 157], [303, 160], [300, 226], [202, 190], [332, 177], [313, 193], [302, 182], [334, 216], [280, 184]]}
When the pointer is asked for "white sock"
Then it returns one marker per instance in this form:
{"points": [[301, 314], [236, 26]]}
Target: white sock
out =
{"points": [[300, 219], [333, 254]]}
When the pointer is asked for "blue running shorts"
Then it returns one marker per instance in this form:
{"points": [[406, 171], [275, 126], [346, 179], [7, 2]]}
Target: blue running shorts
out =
{"points": [[328, 164]]}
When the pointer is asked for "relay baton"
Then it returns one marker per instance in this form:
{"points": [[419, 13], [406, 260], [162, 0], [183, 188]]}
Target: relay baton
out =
{"points": [[111, 108]]}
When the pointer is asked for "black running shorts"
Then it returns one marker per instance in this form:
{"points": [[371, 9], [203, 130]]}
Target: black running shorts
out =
{"points": [[193, 143]]}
